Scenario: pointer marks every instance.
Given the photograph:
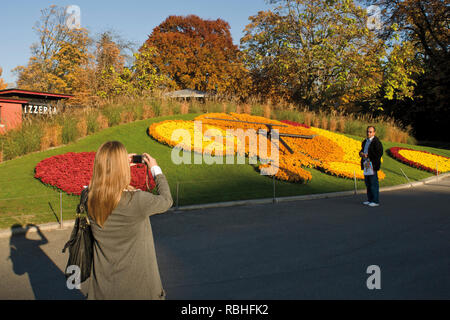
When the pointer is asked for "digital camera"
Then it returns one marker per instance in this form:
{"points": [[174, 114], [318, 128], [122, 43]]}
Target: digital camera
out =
{"points": [[137, 159]]}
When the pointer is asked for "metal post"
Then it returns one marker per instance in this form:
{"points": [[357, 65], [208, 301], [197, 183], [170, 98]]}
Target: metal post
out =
{"points": [[178, 185], [406, 177], [274, 199], [60, 211], [437, 172], [354, 178]]}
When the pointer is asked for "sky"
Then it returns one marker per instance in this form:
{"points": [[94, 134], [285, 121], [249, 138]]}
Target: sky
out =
{"points": [[133, 20]]}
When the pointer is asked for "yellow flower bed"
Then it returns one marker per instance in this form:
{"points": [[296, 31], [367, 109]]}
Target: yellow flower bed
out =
{"points": [[319, 148], [163, 132], [351, 146], [350, 164], [332, 153], [426, 159], [347, 170]]}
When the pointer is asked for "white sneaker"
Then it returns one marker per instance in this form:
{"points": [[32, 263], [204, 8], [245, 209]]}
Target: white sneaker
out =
{"points": [[366, 202], [373, 204]]}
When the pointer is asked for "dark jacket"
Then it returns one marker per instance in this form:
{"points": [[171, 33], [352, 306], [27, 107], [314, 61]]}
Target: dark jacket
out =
{"points": [[375, 153]]}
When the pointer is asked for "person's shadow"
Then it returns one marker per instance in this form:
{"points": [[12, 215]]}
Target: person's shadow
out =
{"points": [[46, 279]]}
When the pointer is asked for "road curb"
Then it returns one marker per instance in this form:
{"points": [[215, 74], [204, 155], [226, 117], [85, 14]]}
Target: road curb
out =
{"points": [[5, 233], [308, 196]]}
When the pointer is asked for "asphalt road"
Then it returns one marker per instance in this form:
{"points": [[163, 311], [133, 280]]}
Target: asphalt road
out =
{"points": [[312, 249]]}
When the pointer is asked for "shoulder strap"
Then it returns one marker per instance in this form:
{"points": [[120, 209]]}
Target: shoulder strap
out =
{"points": [[82, 206]]}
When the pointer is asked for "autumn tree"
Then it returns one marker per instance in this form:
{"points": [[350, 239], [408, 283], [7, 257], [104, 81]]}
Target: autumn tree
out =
{"points": [[198, 54], [423, 22], [60, 56], [401, 69], [109, 66], [423, 29], [145, 77], [317, 53], [3, 85], [114, 78]]}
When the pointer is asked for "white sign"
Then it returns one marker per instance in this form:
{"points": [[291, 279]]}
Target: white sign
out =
{"points": [[37, 109]]}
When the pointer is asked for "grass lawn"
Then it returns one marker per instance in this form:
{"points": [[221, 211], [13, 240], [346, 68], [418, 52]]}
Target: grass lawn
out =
{"points": [[24, 199]]}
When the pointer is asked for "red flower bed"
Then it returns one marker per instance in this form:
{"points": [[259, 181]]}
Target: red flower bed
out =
{"points": [[394, 152], [295, 124], [70, 172]]}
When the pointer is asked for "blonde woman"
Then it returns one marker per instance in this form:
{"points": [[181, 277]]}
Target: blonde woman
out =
{"points": [[124, 263]]}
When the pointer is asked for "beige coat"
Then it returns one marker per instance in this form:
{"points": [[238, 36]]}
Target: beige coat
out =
{"points": [[124, 263]]}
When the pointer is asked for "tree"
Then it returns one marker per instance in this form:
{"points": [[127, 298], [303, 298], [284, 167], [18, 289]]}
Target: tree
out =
{"points": [[145, 76], [113, 78], [59, 57], [197, 54], [424, 26], [109, 66], [401, 68], [3, 85], [423, 22], [318, 53]]}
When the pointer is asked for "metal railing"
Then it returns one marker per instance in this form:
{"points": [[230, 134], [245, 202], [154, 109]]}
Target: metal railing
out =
{"points": [[58, 207]]}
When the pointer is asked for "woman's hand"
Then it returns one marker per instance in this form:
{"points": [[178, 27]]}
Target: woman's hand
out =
{"points": [[150, 161], [130, 159]]}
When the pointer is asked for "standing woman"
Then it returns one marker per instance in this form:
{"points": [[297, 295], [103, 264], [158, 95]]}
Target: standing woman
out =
{"points": [[124, 260]]}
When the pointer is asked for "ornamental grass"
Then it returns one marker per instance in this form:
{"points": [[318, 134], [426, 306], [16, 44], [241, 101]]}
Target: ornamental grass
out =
{"points": [[127, 117], [147, 112], [82, 127], [51, 137]]}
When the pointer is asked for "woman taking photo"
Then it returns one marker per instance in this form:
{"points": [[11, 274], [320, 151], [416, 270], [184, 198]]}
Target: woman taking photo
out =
{"points": [[124, 259]]}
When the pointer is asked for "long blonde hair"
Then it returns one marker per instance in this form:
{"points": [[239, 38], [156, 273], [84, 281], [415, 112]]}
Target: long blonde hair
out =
{"points": [[111, 175]]}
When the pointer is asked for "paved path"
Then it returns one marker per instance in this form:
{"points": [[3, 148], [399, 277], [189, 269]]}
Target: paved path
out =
{"points": [[315, 249]]}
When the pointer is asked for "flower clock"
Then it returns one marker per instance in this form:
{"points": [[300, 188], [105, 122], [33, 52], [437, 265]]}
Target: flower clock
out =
{"points": [[332, 153], [421, 159], [295, 124], [70, 172]]}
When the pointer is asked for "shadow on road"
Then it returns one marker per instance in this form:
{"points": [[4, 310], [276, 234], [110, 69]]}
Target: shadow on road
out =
{"points": [[46, 279]]}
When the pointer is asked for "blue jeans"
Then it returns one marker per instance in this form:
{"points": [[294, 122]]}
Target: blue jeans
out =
{"points": [[372, 187]]}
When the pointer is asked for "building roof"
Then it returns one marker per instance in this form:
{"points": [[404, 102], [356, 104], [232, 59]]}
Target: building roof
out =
{"points": [[9, 100], [186, 93], [27, 94]]}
